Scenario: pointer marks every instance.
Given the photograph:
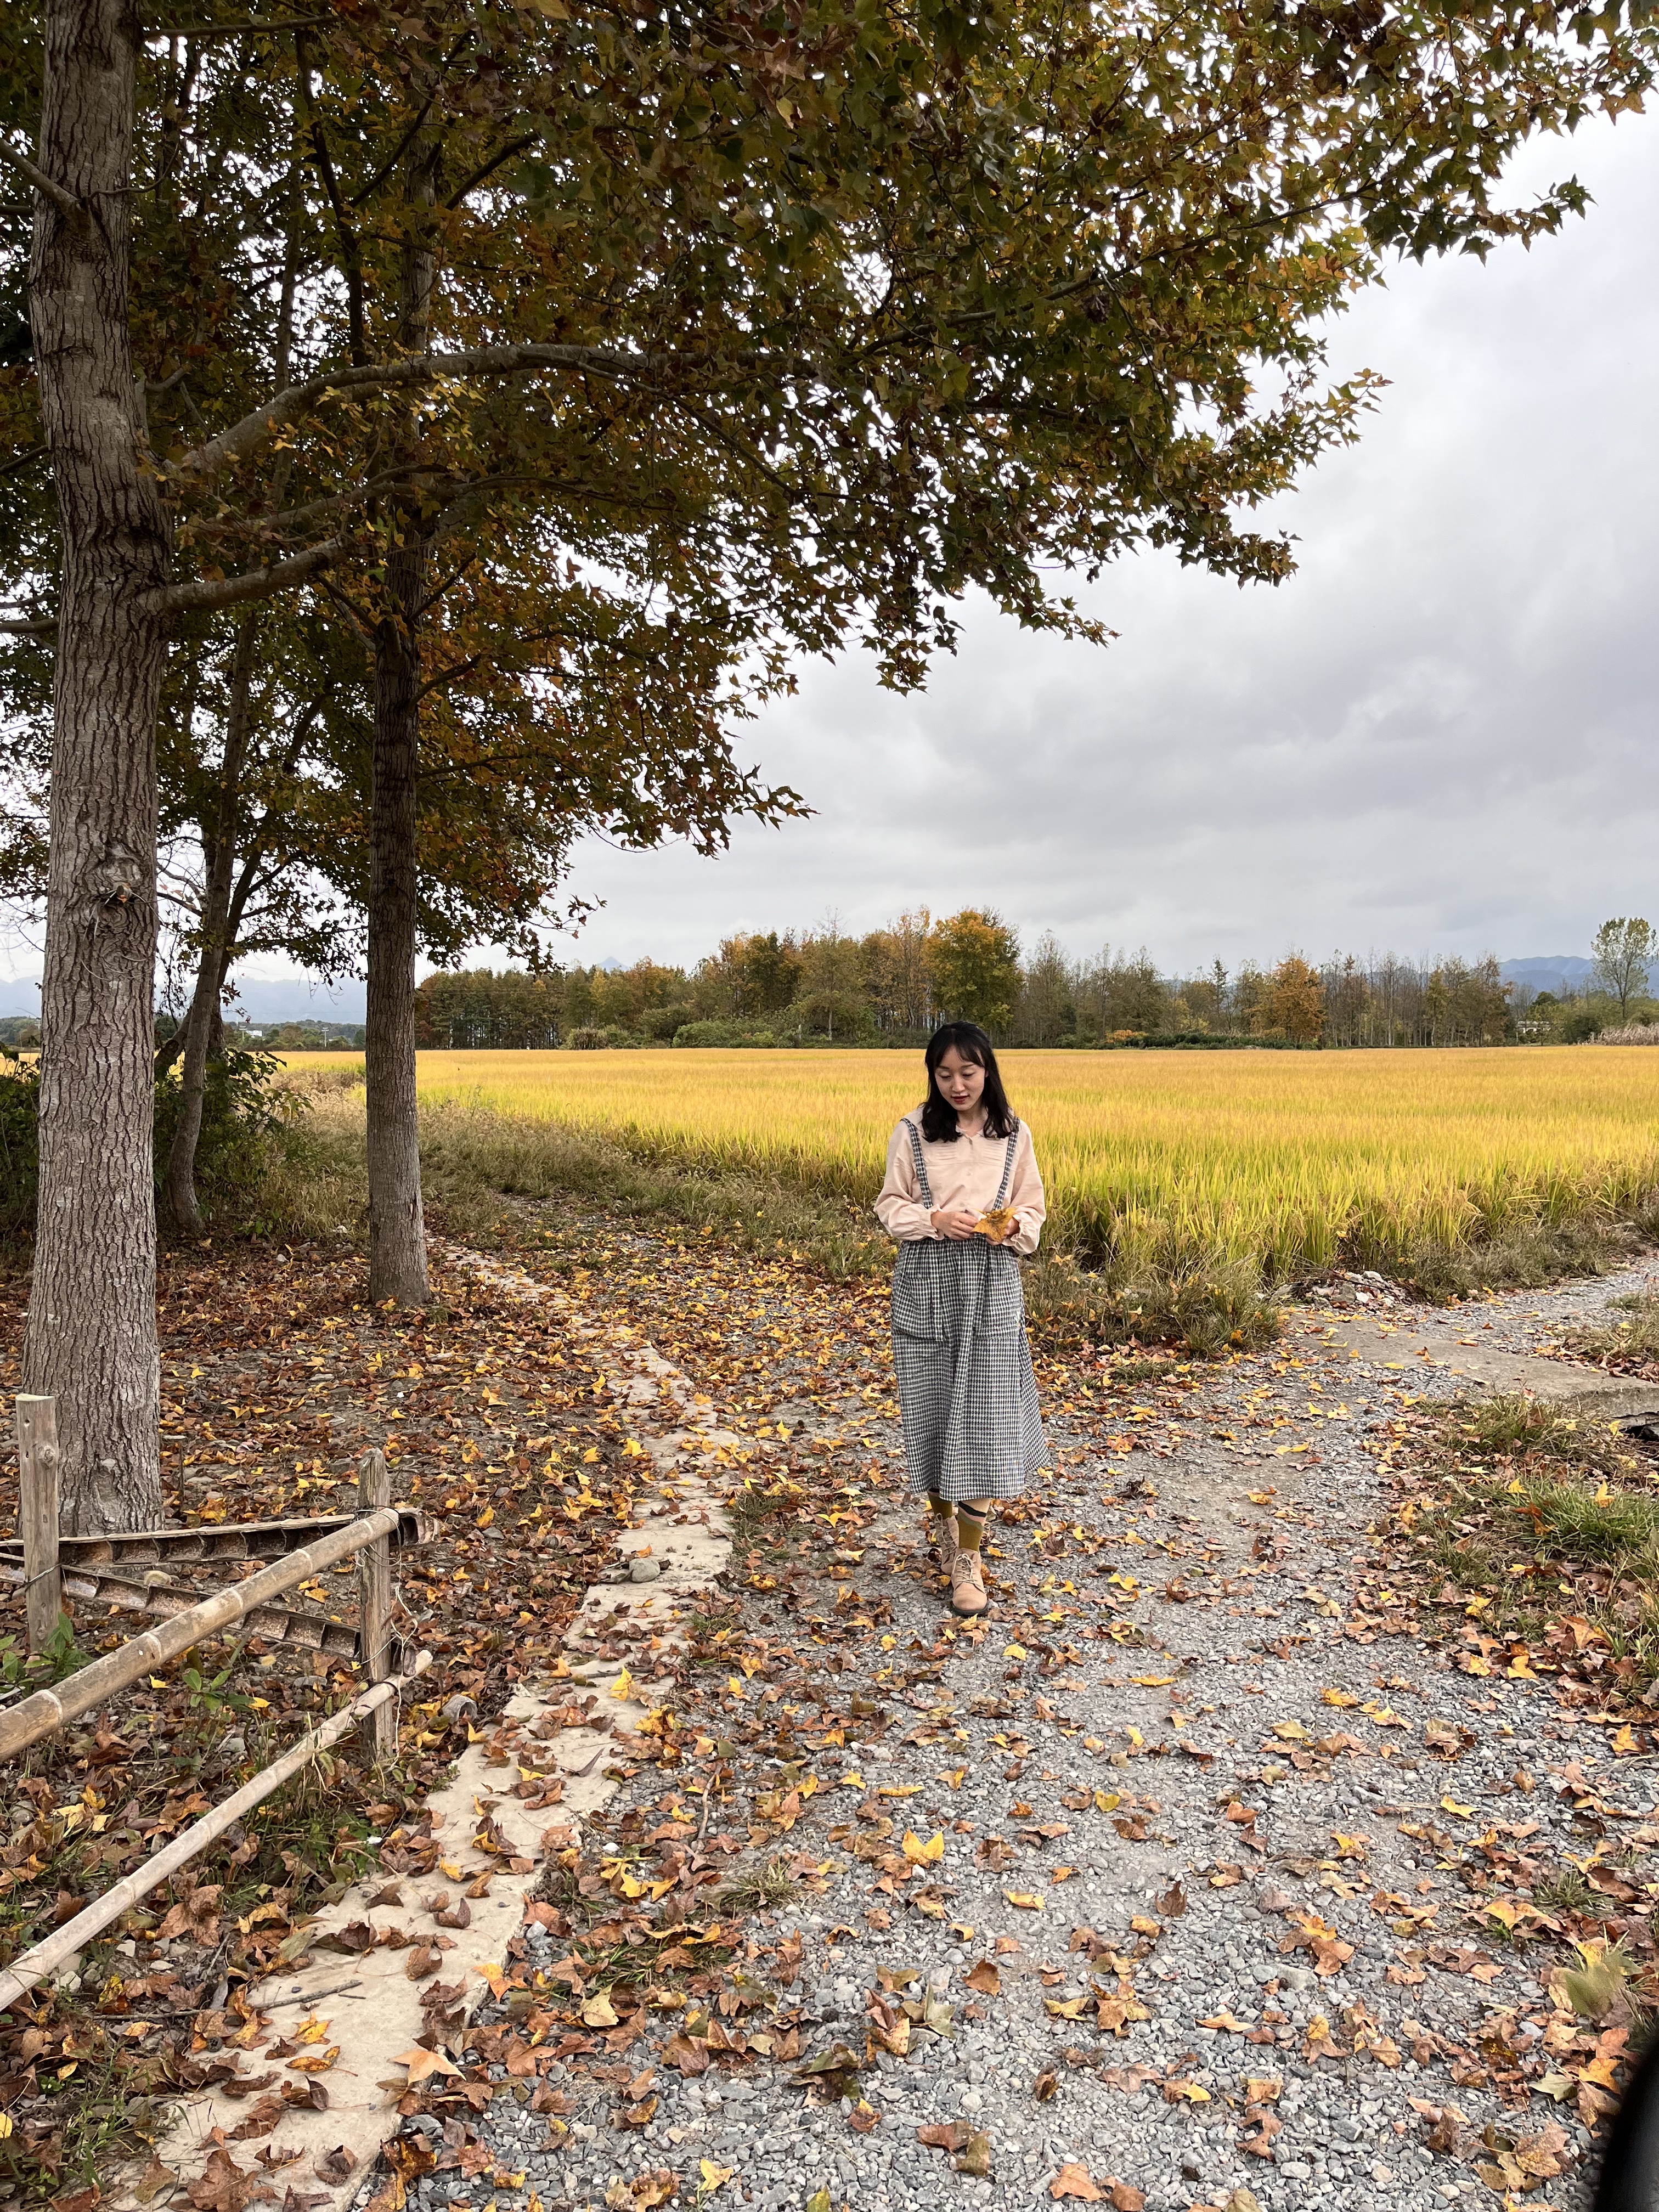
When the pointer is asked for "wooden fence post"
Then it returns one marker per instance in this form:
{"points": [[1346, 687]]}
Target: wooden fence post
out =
{"points": [[37, 1516], [377, 1735]]}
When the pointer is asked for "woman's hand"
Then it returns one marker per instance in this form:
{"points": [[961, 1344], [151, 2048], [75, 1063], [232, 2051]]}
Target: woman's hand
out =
{"points": [[955, 1222]]}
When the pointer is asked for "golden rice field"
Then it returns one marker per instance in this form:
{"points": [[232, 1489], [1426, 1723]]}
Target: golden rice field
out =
{"points": [[1290, 1159]]}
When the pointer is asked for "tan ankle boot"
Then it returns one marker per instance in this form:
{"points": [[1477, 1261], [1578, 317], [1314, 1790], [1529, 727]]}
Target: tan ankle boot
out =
{"points": [[944, 1536], [968, 1584]]}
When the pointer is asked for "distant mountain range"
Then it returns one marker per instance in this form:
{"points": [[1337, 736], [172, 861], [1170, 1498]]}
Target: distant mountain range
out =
{"points": [[278, 999]]}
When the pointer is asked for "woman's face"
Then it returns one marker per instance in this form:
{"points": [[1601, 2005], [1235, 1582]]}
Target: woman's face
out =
{"points": [[960, 1080]]}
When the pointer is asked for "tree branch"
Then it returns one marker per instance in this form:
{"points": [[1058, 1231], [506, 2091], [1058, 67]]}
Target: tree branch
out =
{"points": [[231, 30], [302, 518], [254, 584], [514, 146], [256, 429], [65, 202], [20, 626]]}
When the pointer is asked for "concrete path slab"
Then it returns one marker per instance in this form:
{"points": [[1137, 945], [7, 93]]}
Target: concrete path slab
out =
{"points": [[1462, 1343], [372, 2008]]}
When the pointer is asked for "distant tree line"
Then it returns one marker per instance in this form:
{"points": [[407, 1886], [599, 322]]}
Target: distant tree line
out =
{"points": [[893, 985]]}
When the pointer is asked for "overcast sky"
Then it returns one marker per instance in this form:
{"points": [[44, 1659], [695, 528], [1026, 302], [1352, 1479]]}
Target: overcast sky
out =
{"points": [[1438, 736]]}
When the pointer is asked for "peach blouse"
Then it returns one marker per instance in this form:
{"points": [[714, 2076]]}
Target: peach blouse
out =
{"points": [[965, 1174]]}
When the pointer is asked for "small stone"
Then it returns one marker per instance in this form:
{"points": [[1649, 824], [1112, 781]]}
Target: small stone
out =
{"points": [[644, 1571]]}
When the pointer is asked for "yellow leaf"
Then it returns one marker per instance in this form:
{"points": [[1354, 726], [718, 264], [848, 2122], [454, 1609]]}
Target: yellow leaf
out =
{"points": [[598, 2012], [899, 1789], [1015, 1651], [1338, 1697], [921, 1854], [713, 2176], [310, 2031], [1027, 1900], [1625, 1740], [319, 2062], [1451, 1805], [1152, 1681], [623, 1688]]}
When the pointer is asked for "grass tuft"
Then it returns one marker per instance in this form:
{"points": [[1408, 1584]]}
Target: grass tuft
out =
{"points": [[759, 1888]]}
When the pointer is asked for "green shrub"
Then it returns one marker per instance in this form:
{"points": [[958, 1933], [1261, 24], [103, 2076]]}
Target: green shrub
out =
{"points": [[723, 1033], [248, 1117]]}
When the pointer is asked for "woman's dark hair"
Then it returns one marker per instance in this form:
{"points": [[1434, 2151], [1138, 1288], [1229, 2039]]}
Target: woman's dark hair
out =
{"points": [[938, 1116]]}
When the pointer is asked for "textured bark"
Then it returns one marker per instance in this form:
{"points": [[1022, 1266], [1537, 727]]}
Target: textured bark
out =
{"points": [[397, 1227], [203, 1031], [91, 1338]]}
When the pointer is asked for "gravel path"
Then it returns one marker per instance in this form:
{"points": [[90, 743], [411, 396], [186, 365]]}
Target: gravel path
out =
{"points": [[1202, 1928]]}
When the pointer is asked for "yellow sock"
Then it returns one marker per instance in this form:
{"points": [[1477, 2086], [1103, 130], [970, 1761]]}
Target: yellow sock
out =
{"points": [[971, 1527]]}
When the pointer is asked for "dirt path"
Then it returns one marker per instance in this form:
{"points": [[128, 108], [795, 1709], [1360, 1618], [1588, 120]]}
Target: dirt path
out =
{"points": [[1174, 1880]]}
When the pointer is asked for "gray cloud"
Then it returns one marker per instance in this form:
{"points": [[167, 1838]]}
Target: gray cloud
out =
{"points": [[1438, 736]]}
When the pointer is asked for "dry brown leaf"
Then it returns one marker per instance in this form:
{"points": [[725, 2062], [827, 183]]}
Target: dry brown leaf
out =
{"points": [[1075, 2180]]}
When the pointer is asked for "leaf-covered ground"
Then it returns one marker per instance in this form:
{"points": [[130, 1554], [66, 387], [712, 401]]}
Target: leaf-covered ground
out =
{"points": [[276, 1376], [1265, 1845]]}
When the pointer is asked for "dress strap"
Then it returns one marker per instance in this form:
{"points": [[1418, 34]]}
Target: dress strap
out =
{"points": [[1007, 1170], [920, 1163]]}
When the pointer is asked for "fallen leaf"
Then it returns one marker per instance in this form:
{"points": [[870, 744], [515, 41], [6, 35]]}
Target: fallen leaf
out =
{"points": [[985, 1978], [1075, 2180], [974, 2156], [421, 2063], [224, 2186]]}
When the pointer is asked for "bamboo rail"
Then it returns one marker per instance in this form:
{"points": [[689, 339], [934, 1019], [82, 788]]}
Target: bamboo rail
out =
{"points": [[24, 1724], [207, 1540], [164, 1600], [64, 1942]]}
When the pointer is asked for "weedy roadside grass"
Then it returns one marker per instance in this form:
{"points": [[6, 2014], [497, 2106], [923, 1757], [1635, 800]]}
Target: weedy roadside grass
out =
{"points": [[1628, 1345], [1542, 1529]]}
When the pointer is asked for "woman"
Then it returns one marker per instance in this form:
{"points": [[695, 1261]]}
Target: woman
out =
{"points": [[962, 1197]]}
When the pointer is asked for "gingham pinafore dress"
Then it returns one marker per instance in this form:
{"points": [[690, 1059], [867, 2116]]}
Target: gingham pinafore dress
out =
{"points": [[967, 1395]]}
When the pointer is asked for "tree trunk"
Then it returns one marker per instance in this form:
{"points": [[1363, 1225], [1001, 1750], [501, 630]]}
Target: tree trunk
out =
{"points": [[91, 1339], [202, 1031], [397, 1227]]}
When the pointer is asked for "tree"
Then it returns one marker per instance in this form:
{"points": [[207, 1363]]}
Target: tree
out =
{"points": [[1624, 951], [1296, 1003], [975, 958], [772, 972], [895, 963], [817, 324], [1045, 1012]]}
